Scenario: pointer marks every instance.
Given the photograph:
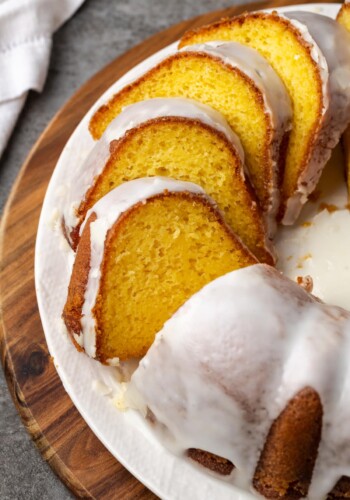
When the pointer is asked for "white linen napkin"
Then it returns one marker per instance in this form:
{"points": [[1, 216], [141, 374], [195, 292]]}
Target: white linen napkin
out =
{"points": [[26, 28]]}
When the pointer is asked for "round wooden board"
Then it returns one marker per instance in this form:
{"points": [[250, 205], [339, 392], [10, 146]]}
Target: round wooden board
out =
{"points": [[60, 433]]}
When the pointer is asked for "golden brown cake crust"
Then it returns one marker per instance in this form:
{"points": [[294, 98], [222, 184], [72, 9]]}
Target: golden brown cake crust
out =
{"points": [[117, 147], [240, 20], [341, 490], [117, 227], [72, 311], [287, 461], [210, 461]]}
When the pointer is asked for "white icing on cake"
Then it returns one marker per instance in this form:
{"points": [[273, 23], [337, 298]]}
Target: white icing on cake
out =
{"points": [[108, 210], [276, 99], [132, 116], [330, 48], [230, 359], [256, 67]]}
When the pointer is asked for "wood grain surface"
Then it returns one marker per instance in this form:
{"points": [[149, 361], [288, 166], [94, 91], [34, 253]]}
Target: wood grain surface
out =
{"points": [[60, 433]]}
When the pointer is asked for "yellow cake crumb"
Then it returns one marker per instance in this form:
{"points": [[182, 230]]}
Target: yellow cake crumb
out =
{"points": [[132, 307]]}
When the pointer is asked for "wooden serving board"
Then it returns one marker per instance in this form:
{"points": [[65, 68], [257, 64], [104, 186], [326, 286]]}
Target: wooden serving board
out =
{"points": [[62, 436]]}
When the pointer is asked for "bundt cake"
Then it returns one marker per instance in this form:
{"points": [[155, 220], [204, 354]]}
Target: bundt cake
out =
{"points": [[311, 54], [145, 248], [251, 376], [240, 369], [234, 80], [343, 18], [177, 138]]}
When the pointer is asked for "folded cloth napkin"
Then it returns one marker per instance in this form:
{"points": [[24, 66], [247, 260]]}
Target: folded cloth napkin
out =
{"points": [[26, 28]]}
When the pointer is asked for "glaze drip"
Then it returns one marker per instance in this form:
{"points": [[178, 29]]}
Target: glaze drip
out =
{"points": [[228, 362], [330, 48]]}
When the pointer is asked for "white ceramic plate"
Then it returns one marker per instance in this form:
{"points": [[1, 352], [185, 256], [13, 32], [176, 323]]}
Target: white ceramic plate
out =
{"points": [[126, 434]]}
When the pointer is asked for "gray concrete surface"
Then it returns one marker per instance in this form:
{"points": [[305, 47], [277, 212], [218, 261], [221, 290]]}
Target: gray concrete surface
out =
{"points": [[100, 31]]}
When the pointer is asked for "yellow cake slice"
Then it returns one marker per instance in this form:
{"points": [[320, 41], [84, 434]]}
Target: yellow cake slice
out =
{"points": [[177, 138], [146, 247], [234, 81], [343, 18], [310, 54]]}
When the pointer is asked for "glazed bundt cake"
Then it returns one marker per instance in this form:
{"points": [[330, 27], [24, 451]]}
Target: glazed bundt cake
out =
{"points": [[240, 369], [234, 80], [177, 138], [145, 248], [251, 376], [311, 54]]}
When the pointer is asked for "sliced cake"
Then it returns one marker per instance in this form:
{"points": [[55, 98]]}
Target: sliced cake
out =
{"points": [[145, 248], [311, 54], [177, 138], [233, 80]]}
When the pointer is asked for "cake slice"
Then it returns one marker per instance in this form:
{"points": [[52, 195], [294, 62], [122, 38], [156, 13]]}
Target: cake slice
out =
{"points": [[146, 247], [310, 53], [177, 138], [343, 18], [235, 81]]}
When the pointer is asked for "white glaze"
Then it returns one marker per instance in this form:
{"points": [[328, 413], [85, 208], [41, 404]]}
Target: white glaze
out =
{"points": [[275, 96], [108, 210], [333, 58], [256, 67], [226, 364], [82, 177], [127, 437], [129, 440]]}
